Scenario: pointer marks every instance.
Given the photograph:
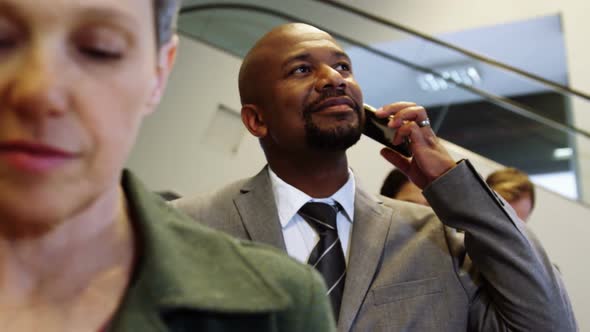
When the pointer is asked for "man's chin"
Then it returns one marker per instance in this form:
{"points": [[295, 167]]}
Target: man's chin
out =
{"points": [[333, 140]]}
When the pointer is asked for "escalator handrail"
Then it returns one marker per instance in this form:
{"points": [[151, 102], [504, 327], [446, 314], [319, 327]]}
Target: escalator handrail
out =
{"points": [[554, 85]]}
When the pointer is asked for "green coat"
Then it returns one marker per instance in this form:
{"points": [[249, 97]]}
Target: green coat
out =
{"points": [[191, 278]]}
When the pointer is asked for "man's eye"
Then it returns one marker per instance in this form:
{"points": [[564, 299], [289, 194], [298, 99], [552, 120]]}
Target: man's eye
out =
{"points": [[11, 36], [301, 70], [7, 43], [9, 39], [343, 67]]}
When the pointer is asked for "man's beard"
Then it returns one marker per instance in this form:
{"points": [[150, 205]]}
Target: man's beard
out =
{"points": [[335, 138]]}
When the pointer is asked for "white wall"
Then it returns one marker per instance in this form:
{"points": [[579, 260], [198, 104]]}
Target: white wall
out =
{"points": [[170, 155]]}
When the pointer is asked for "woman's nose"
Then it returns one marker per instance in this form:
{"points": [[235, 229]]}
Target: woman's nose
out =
{"points": [[35, 88]]}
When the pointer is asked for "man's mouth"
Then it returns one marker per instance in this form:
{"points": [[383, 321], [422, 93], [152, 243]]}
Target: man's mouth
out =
{"points": [[335, 104]]}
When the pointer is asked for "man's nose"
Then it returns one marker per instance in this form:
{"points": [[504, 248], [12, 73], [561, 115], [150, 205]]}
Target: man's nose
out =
{"points": [[35, 88], [330, 78]]}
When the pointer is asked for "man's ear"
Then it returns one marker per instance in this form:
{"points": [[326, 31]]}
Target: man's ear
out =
{"points": [[166, 59], [253, 119]]}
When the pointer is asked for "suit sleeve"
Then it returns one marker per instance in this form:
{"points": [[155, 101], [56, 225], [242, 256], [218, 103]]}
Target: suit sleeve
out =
{"points": [[511, 283]]}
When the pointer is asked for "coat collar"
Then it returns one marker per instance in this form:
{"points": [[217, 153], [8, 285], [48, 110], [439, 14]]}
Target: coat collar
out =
{"points": [[184, 265]]}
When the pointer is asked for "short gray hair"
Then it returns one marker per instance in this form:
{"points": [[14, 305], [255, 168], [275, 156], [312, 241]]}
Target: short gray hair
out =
{"points": [[165, 16]]}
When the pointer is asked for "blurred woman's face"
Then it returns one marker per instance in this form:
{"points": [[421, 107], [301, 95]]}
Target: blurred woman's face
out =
{"points": [[523, 207], [76, 78], [411, 193]]}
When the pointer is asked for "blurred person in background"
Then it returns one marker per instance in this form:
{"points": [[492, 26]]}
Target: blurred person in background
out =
{"points": [[397, 186], [516, 188]]}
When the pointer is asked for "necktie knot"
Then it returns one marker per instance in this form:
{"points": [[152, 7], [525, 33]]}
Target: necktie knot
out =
{"points": [[320, 216]]}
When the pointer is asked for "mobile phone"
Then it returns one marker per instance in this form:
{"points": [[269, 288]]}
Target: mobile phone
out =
{"points": [[377, 129]]}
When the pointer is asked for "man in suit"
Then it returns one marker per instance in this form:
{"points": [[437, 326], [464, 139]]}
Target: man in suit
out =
{"points": [[83, 245], [404, 268]]}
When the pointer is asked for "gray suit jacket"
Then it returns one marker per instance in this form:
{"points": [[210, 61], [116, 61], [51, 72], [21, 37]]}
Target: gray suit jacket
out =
{"points": [[407, 271]]}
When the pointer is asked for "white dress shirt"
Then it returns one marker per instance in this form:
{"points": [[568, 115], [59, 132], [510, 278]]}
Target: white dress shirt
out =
{"points": [[300, 237]]}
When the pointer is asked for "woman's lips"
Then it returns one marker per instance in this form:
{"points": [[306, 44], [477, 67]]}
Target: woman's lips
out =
{"points": [[33, 157]]}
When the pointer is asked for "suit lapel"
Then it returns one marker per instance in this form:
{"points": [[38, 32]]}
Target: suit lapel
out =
{"points": [[370, 228], [257, 209]]}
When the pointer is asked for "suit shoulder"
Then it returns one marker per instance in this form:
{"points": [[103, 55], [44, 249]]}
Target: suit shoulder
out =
{"points": [[419, 219], [193, 205], [408, 210]]}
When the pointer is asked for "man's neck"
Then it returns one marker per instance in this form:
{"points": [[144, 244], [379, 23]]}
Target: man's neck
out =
{"points": [[320, 175], [88, 255]]}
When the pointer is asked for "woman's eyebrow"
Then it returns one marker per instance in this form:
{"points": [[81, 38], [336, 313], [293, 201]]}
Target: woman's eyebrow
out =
{"points": [[107, 14]]}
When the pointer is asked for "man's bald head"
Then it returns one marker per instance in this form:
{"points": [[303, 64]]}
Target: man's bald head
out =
{"points": [[298, 92], [253, 68]]}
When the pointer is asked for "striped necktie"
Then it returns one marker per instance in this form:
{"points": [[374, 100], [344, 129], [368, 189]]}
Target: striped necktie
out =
{"points": [[327, 256]]}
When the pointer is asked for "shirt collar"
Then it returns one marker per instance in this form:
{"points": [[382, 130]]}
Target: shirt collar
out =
{"points": [[290, 199]]}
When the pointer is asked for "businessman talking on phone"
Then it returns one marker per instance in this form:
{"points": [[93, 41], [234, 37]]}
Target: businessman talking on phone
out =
{"points": [[388, 265]]}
